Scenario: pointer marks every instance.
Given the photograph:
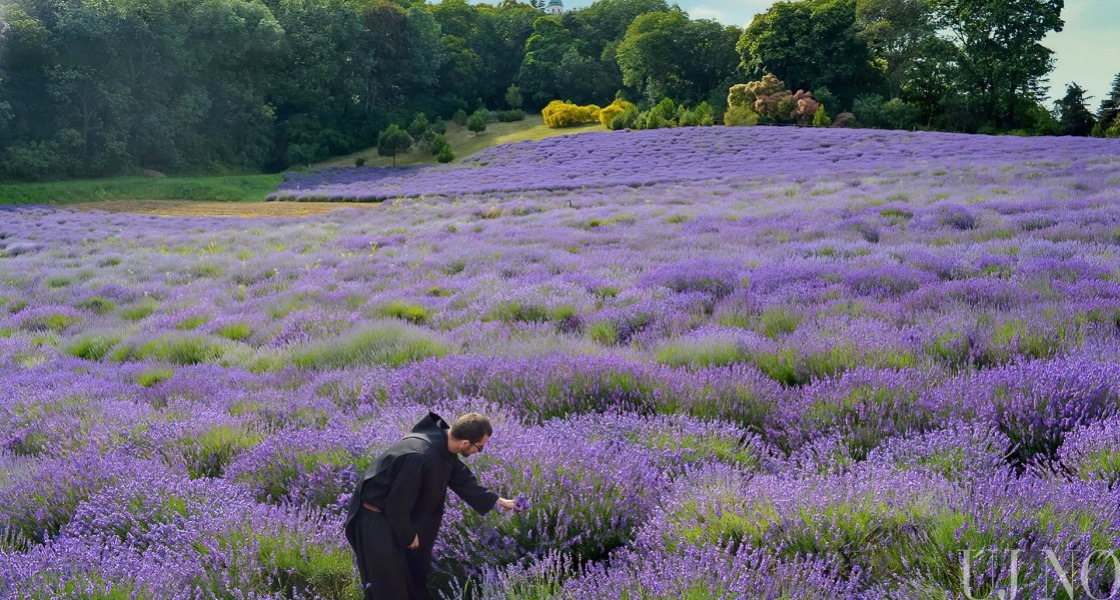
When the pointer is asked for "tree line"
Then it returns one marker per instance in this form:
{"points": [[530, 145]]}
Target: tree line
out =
{"points": [[104, 87]]}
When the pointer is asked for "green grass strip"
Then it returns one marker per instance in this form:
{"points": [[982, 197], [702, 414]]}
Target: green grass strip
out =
{"points": [[226, 188]]}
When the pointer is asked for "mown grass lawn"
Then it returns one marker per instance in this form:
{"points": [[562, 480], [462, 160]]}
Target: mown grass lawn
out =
{"points": [[226, 188]]}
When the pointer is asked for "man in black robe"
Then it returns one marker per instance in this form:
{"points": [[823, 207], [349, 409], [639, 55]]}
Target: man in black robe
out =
{"points": [[397, 506]]}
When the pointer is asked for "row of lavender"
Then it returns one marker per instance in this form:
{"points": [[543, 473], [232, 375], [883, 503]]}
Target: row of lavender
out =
{"points": [[957, 270], [222, 483], [811, 383], [644, 158]]}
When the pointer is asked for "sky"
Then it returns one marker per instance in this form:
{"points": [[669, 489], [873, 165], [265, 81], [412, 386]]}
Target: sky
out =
{"points": [[1086, 51]]}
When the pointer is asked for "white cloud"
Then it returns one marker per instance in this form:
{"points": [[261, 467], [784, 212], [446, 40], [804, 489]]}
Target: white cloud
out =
{"points": [[706, 12], [729, 12]]}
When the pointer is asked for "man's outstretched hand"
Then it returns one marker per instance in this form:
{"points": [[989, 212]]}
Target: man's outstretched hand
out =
{"points": [[518, 505]]}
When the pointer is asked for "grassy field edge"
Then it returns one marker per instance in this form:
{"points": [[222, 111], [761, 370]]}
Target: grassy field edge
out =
{"points": [[225, 188]]}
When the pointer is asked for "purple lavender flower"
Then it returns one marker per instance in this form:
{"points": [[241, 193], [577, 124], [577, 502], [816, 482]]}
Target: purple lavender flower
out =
{"points": [[823, 370]]}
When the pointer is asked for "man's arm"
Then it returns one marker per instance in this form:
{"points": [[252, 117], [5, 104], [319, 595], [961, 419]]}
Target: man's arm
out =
{"points": [[465, 486], [402, 497]]}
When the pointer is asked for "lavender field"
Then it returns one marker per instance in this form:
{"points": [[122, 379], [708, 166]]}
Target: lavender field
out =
{"points": [[722, 363]]}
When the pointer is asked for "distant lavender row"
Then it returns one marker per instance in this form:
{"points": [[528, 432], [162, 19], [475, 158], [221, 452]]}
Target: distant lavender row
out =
{"points": [[642, 158]]}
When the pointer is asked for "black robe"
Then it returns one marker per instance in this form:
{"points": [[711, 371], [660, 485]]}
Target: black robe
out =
{"points": [[409, 484]]}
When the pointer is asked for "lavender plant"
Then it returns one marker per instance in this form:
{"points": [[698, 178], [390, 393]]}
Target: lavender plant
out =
{"points": [[722, 362]]}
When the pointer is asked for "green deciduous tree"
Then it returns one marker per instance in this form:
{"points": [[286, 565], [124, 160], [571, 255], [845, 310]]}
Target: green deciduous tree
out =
{"points": [[460, 119], [24, 57], [393, 141], [713, 63], [650, 54], [873, 110], [510, 25], [437, 144], [929, 83], [419, 126], [445, 155], [810, 44], [477, 122], [664, 54], [465, 73], [600, 28], [605, 22], [556, 66], [424, 53], [1002, 60], [328, 69], [540, 73], [894, 31], [305, 154], [107, 87], [484, 46]]}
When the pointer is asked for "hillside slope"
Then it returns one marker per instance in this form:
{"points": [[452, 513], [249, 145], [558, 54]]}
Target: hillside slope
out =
{"points": [[637, 158], [463, 143]]}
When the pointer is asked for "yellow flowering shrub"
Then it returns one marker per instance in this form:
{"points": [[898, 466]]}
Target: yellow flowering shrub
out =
{"points": [[566, 114], [609, 112]]}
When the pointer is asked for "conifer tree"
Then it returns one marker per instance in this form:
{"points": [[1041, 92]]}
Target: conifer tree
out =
{"points": [[1074, 117], [1110, 105]]}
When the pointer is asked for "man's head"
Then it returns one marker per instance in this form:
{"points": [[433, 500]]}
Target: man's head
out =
{"points": [[469, 434]]}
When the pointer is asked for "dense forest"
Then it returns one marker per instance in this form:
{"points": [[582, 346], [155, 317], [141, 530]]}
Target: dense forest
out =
{"points": [[104, 87]]}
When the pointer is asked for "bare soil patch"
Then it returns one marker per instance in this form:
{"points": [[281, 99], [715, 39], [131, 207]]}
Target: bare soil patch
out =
{"points": [[185, 208]]}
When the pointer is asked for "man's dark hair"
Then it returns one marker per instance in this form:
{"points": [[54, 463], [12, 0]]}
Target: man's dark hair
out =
{"points": [[472, 427]]}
